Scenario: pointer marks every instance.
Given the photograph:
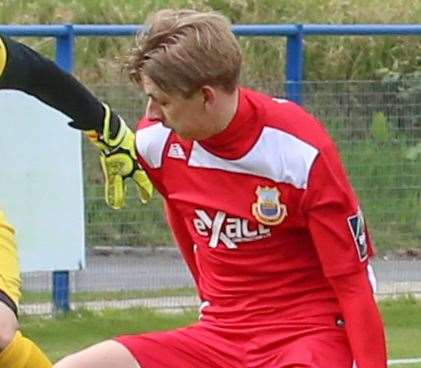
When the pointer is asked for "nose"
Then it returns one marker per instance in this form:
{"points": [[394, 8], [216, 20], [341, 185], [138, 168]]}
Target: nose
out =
{"points": [[154, 111]]}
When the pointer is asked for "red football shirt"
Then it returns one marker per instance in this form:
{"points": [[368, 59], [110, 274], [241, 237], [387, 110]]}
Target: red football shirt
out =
{"points": [[263, 212]]}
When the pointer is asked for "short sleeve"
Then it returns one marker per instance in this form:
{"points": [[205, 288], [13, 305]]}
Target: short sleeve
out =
{"points": [[334, 217]]}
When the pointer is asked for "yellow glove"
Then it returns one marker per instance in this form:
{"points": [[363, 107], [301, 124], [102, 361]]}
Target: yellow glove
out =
{"points": [[118, 162]]}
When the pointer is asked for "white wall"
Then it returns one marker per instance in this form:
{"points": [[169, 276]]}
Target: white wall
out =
{"points": [[41, 185]]}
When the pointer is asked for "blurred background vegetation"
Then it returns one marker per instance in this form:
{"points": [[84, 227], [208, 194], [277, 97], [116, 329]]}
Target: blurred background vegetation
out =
{"points": [[377, 124], [333, 58]]}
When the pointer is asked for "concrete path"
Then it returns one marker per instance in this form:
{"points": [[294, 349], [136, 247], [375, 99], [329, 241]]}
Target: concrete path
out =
{"points": [[165, 269]]}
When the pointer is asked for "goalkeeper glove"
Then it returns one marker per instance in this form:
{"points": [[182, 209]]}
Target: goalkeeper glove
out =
{"points": [[118, 162]]}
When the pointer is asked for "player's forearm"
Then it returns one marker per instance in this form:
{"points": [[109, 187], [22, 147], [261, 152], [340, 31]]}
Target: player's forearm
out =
{"points": [[21, 68], [365, 332], [363, 323]]}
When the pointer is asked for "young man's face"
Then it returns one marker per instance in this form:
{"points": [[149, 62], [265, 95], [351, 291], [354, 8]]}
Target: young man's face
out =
{"points": [[188, 117]]}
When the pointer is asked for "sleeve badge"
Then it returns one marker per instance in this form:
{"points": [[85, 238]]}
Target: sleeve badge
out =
{"points": [[357, 226]]}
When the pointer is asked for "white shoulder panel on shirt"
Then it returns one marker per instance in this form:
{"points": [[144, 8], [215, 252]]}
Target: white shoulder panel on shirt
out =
{"points": [[277, 155], [150, 143]]}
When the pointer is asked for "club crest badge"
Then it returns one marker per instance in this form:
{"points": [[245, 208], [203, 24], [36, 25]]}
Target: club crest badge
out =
{"points": [[268, 209]]}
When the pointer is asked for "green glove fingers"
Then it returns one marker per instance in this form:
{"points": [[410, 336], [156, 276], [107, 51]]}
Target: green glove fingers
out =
{"points": [[119, 162], [115, 168], [143, 186]]}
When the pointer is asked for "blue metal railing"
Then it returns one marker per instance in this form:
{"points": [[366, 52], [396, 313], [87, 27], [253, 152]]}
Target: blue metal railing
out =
{"points": [[295, 34], [294, 69]]}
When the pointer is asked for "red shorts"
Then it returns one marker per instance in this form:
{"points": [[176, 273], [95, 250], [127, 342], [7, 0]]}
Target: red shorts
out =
{"points": [[207, 346]]}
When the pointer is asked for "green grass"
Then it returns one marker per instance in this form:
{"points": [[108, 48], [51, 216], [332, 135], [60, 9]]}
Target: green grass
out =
{"points": [[57, 335], [65, 334], [29, 297], [403, 322]]}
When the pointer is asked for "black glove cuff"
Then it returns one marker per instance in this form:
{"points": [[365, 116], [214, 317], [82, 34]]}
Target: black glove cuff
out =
{"points": [[114, 125]]}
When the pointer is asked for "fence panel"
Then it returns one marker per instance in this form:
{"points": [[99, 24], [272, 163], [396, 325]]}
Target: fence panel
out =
{"points": [[131, 257]]}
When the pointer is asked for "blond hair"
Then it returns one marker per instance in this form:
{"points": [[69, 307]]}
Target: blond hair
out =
{"points": [[183, 50]]}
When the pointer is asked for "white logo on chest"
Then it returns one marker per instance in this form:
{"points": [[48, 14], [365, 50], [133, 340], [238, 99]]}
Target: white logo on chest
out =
{"points": [[228, 230], [176, 151]]}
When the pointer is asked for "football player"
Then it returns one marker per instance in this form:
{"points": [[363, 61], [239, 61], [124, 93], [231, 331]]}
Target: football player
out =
{"points": [[261, 208]]}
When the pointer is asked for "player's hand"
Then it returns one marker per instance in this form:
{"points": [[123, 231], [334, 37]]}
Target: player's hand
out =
{"points": [[118, 162]]}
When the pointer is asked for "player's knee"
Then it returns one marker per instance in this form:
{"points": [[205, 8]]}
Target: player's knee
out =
{"points": [[75, 360], [65, 362], [6, 336], [107, 354], [8, 328], [70, 362]]}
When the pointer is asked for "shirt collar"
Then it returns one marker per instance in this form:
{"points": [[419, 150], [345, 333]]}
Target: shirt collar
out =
{"points": [[240, 134]]}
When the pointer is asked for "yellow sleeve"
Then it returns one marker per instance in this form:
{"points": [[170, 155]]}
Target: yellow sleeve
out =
{"points": [[3, 54], [10, 281]]}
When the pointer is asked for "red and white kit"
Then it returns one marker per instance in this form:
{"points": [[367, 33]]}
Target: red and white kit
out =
{"points": [[265, 218]]}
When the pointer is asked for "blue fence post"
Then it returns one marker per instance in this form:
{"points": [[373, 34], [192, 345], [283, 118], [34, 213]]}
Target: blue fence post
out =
{"points": [[61, 279], [294, 68], [65, 49], [61, 293]]}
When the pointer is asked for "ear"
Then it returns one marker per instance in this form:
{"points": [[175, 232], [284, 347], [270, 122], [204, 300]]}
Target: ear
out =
{"points": [[209, 96]]}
